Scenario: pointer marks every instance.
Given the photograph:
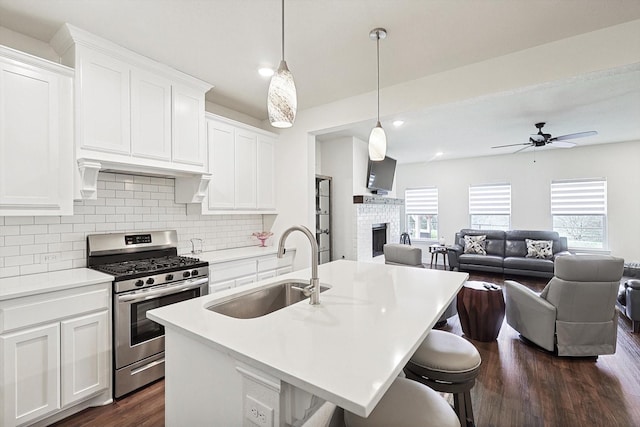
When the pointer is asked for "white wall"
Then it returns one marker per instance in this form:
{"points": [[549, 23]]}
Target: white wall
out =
{"points": [[613, 47], [337, 162], [27, 44], [530, 187]]}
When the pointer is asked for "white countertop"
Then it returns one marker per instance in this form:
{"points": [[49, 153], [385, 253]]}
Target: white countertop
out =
{"points": [[224, 255], [32, 284], [348, 349]]}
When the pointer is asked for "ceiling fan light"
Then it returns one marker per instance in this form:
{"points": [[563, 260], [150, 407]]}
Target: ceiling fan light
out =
{"points": [[377, 143], [282, 101]]}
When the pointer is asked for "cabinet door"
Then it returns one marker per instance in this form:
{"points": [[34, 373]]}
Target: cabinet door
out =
{"points": [[189, 141], [266, 173], [221, 165], [85, 356], [245, 169], [30, 374], [150, 115], [104, 111], [33, 160]]}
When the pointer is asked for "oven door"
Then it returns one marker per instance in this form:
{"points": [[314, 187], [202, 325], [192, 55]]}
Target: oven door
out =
{"points": [[135, 336]]}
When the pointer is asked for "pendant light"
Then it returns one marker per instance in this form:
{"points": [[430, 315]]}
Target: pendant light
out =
{"points": [[282, 100], [377, 138]]}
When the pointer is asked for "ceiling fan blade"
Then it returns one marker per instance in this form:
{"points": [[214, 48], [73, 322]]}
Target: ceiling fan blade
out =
{"points": [[574, 136], [563, 144], [522, 149], [512, 145]]}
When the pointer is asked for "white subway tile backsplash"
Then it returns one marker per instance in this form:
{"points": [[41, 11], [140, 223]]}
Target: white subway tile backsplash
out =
{"points": [[19, 220], [33, 229], [124, 194], [27, 239], [34, 249], [142, 179], [9, 251], [81, 228], [47, 220], [9, 230], [60, 228], [18, 260], [125, 203]]}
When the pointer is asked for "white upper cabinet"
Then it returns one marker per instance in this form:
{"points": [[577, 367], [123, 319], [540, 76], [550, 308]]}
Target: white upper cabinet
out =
{"points": [[189, 141], [133, 114], [266, 197], [150, 115], [36, 136], [241, 163], [221, 139], [245, 167], [103, 113]]}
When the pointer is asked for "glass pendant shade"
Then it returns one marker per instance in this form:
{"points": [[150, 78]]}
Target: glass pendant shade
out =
{"points": [[377, 143], [282, 101]]}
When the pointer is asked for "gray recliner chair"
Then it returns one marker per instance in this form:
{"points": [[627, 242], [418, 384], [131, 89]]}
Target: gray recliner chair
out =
{"points": [[398, 254], [575, 314]]}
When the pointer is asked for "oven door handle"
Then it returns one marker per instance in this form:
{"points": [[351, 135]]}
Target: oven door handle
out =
{"points": [[145, 295]]}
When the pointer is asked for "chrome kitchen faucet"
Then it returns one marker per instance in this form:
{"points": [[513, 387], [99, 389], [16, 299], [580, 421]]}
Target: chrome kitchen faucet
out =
{"points": [[313, 290]]}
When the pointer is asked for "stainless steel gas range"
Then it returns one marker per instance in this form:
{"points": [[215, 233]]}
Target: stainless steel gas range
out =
{"points": [[148, 274]]}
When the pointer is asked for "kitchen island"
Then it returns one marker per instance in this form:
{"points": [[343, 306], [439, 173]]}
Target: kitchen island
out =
{"points": [[279, 368]]}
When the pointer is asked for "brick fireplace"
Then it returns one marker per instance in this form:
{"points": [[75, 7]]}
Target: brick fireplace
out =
{"points": [[372, 212]]}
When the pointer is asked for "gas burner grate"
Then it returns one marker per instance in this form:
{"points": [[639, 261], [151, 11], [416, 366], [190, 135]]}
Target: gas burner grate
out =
{"points": [[125, 268]]}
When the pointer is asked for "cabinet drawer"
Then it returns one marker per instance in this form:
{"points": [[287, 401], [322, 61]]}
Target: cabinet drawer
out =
{"points": [[273, 262], [27, 311], [231, 270]]}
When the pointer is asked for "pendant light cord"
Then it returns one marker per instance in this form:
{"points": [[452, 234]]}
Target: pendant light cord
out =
{"points": [[378, 67], [283, 30]]}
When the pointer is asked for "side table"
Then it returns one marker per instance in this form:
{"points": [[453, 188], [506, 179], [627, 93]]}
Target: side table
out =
{"points": [[481, 310], [436, 250]]}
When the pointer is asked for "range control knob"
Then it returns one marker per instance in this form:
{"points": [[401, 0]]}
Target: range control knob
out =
{"points": [[150, 281], [194, 273], [139, 282], [186, 274], [169, 277]]}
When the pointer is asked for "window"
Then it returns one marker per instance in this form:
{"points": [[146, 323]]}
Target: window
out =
{"points": [[490, 206], [579, 211], [421, 208]]}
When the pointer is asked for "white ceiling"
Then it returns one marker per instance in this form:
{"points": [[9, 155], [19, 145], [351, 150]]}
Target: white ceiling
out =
{"points": [[331, 56]]}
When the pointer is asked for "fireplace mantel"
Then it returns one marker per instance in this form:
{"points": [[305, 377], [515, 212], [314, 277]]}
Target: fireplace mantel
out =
{"points": [[376, 200]]}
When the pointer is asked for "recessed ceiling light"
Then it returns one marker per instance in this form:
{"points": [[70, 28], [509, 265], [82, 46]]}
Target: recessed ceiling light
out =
{"points": [[265, 72], [398, 123], [439, 153]]}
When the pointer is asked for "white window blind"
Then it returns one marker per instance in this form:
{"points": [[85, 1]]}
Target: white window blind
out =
{"points": [[494, 199], [583, 197], [421, 201]]}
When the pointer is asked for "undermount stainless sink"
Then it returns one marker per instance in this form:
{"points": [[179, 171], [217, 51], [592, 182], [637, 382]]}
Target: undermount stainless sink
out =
{"points": [[263, 301]]}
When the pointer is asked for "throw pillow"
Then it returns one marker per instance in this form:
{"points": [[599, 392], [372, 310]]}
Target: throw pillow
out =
{"points": [[542, 249], [475, 244]]}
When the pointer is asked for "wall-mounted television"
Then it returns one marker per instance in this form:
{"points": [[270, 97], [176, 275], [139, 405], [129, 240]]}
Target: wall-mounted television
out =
{"points": [[380, 175]]}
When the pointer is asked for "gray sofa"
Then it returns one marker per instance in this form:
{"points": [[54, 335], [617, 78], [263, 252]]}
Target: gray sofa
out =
{"points": [[506, 252], [629, 294]]}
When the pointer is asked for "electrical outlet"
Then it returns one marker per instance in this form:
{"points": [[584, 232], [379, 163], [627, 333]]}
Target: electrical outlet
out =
{"points": [[257, 412], [47, 258]]}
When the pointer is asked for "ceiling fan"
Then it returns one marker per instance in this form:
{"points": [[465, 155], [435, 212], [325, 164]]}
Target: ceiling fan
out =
{"points": [[541, 139]]}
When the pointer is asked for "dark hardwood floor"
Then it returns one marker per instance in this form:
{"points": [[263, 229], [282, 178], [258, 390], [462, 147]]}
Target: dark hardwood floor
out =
{"points": [[518, 385]]}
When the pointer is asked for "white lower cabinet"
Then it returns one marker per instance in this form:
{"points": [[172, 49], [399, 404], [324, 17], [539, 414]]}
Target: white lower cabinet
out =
{"points": [[85, 356], [250, 269], [30, 374], [55, 352]]}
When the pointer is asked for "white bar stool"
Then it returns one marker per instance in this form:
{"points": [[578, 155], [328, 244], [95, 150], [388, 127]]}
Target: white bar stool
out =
{"points": [[407, 404], [449, 364]]}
